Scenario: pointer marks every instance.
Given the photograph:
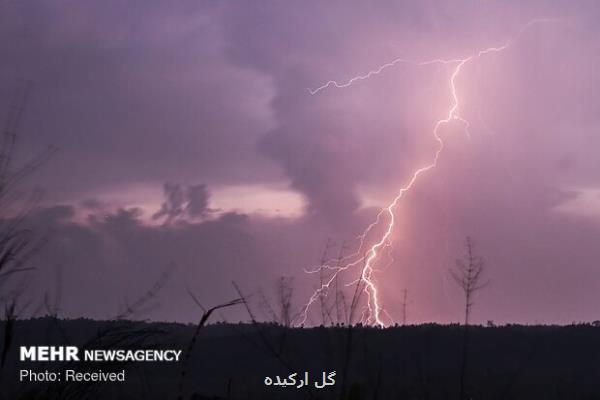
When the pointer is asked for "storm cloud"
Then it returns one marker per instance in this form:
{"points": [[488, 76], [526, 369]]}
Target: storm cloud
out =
{"points": [[188, 136]]}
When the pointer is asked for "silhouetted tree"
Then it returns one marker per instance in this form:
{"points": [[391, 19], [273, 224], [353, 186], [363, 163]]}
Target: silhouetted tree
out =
{"points": [[468, 273], [285, 291], [280, 310], [206, 313], [323, 294], [16, 242]]}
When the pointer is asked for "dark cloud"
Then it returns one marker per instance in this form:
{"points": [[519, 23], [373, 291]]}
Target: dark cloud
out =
{"points": [[115, 257], [131, 96], [174, 202], [197, 200], [217, 93], [91, 204], [182, 202]]}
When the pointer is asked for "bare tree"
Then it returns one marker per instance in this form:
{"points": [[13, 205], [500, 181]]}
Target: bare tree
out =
{"points": [[341, 308], [285, 291], [16, 242], [282, 312], [206, 313], [323, 294], [468, 273]]}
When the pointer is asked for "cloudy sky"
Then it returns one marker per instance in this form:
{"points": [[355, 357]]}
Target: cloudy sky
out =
{"points": [[188, 137]]}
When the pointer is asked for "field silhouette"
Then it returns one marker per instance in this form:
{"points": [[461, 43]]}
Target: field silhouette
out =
{"points": [[230, 361]]}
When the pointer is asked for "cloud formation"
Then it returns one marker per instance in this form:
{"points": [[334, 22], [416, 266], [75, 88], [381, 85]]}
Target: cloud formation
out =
{"points": [[191, 201], [217, 93]]}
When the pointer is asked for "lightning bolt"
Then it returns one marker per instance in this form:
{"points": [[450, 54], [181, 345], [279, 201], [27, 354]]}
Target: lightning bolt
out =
{"points": [[373, 314]]}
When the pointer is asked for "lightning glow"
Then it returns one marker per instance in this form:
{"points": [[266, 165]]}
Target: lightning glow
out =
{"points": [[374, 314]]}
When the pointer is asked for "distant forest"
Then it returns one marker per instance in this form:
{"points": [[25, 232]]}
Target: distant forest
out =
{"points": [[231, 361]]}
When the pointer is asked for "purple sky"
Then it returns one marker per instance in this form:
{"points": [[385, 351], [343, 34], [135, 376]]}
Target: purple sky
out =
{"points": [[187, 135]]}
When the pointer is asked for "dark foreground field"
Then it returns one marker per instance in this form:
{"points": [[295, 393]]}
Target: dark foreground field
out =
{"points": [[230, 361]]}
